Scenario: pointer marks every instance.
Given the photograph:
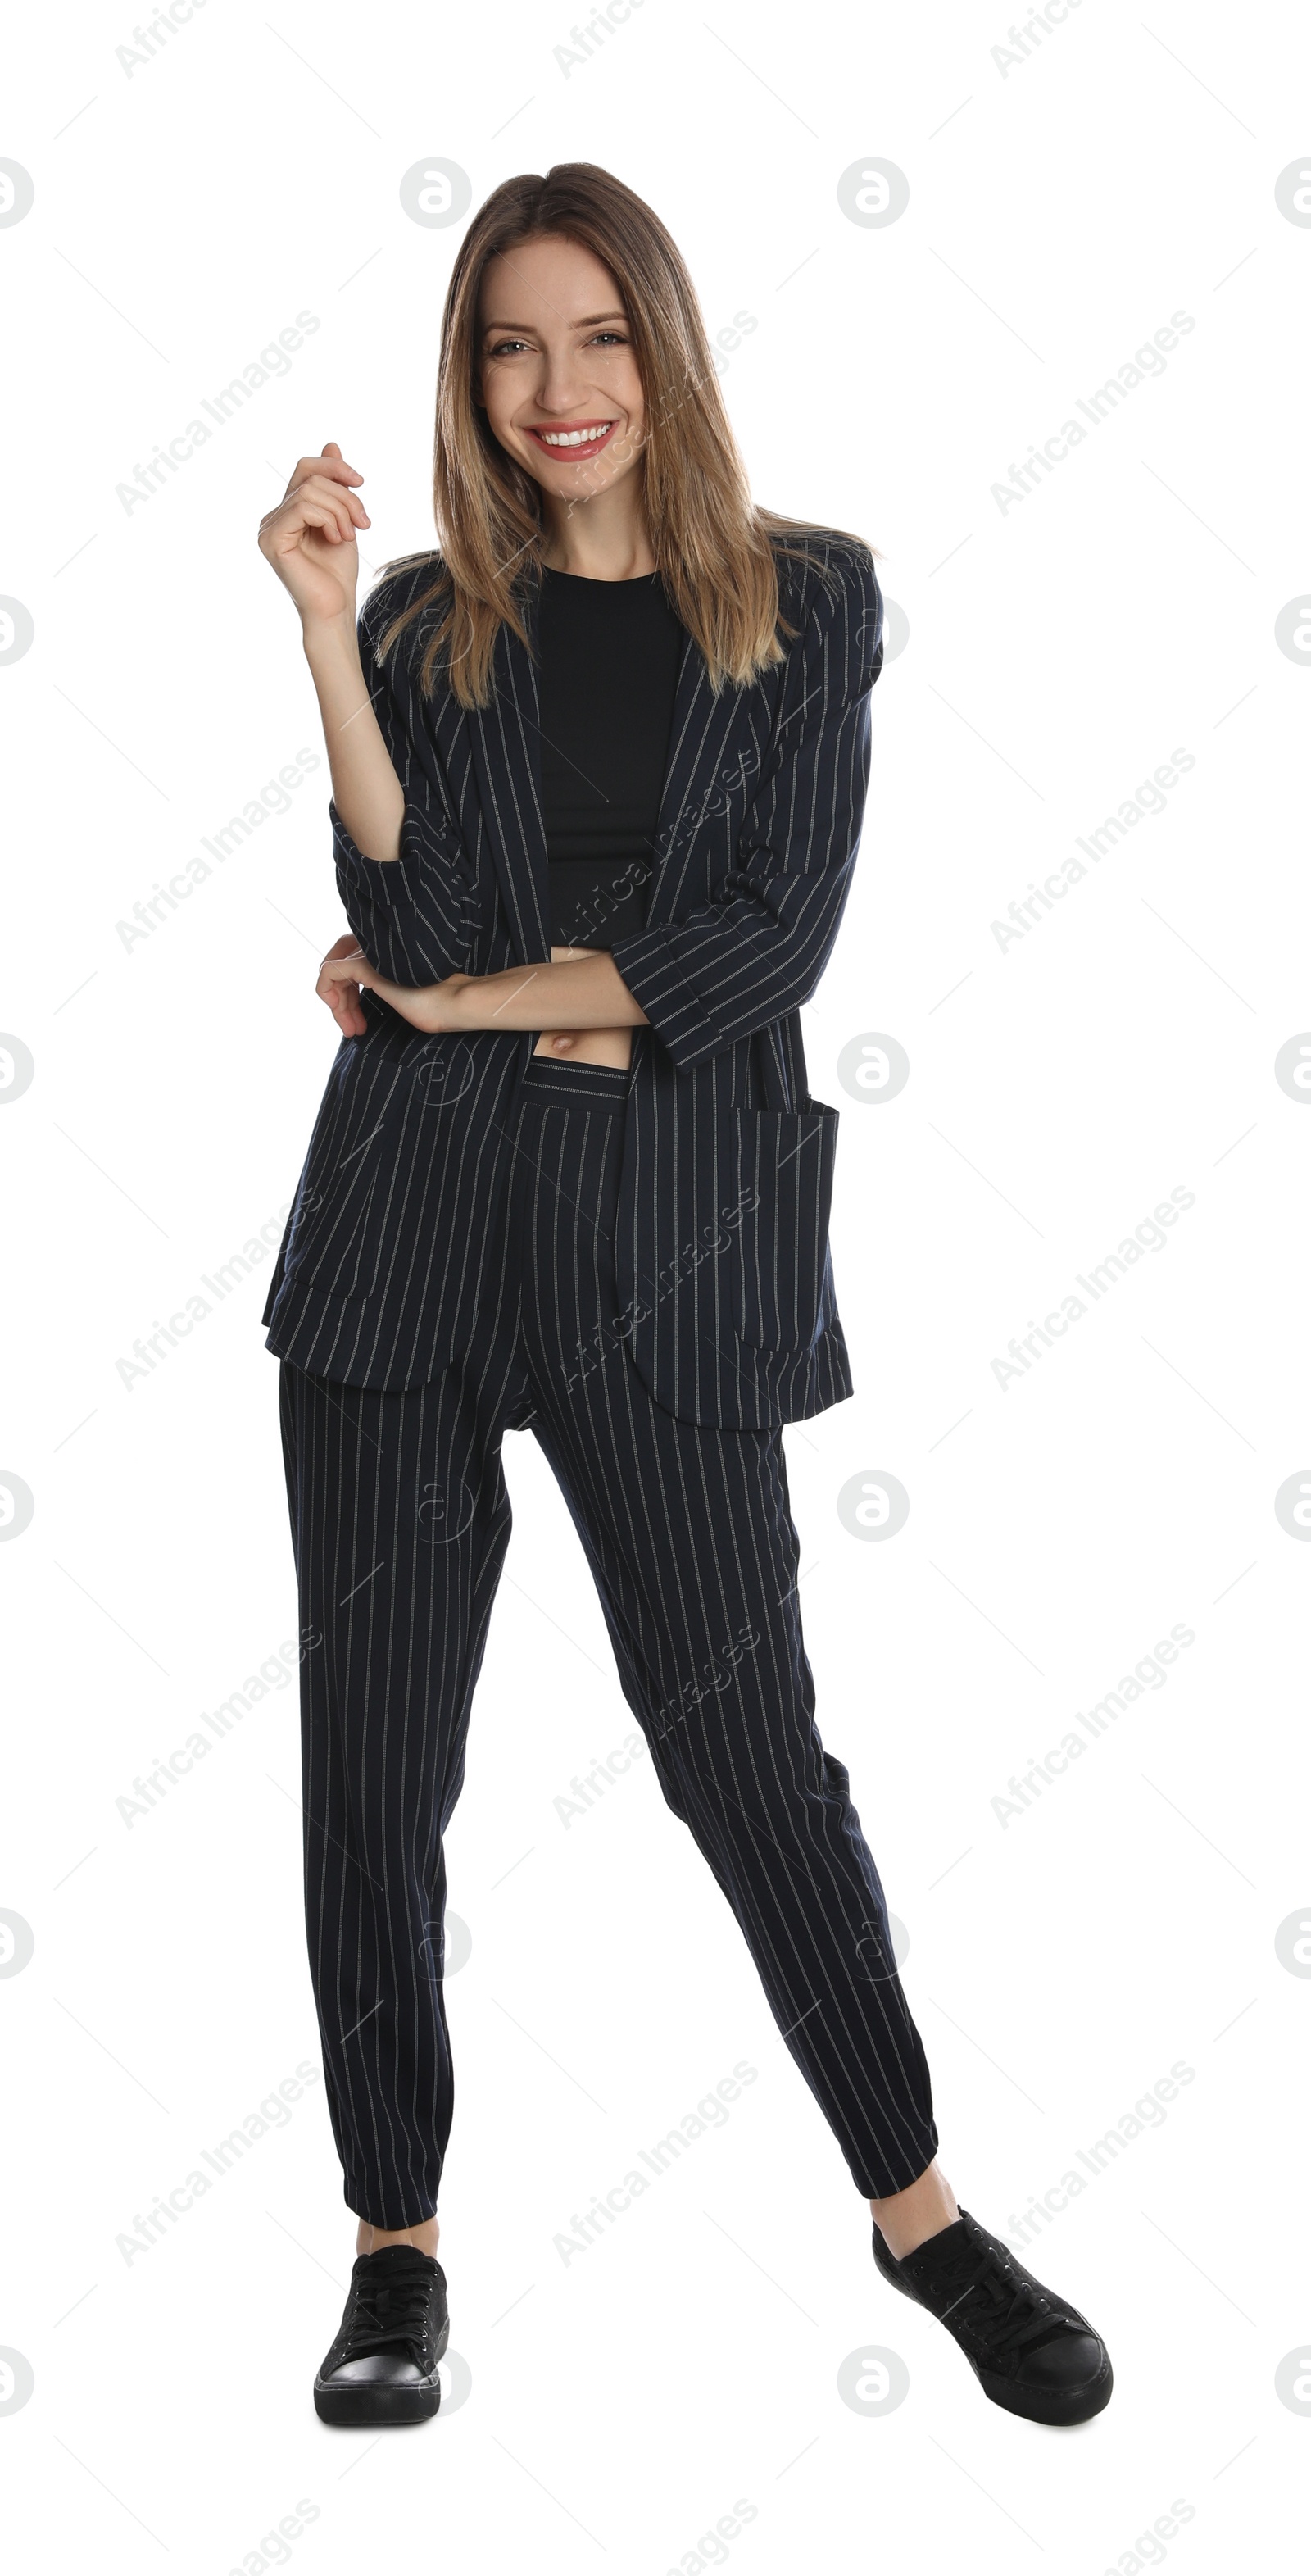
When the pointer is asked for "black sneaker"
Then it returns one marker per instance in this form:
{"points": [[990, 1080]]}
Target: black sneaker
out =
{"points": [[382, 2369], [1030, 2351]]}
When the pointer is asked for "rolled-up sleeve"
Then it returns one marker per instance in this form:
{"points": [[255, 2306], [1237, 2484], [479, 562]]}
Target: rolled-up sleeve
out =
{"points": [[758, 949], [415, 916]]}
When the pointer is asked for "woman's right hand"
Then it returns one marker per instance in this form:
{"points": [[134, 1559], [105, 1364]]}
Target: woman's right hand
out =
{"points": [[310, 538]]}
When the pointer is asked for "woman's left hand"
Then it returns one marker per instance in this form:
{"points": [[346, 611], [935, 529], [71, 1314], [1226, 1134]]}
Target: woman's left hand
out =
{"points": [[346, 968]]}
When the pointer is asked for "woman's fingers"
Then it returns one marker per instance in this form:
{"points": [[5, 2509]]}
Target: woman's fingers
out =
{"points": [[346, 1011], [346, 968], [343, 1002], [332, 464], [345, 1008], [316, 504], [315, 514], [318, 515], [336, 461], [318, 487], [340, 989]]}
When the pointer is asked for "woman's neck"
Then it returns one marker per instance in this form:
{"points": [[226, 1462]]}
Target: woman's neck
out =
{"points": [[603, 538]]}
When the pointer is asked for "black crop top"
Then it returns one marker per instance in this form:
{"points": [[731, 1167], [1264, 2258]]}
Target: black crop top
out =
{"points": [[610, 652]]}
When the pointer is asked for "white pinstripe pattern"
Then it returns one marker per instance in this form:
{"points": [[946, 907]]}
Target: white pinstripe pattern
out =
{"points": [[689, 1536], [383, 1264]]}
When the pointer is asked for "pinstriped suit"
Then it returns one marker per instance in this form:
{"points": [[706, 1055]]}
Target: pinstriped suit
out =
{"points": [[378, 1275], [636, 1267]]}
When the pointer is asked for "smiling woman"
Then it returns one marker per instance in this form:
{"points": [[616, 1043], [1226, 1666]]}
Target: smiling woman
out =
{"points": [[599, 769], [563, 317], [637, 513], [581, 352]]}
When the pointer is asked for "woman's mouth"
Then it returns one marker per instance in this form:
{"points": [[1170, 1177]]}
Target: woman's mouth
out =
{"points": [[570, 438]]}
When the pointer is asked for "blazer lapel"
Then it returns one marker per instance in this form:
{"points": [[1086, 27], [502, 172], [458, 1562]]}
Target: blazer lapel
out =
{"points": [[697, 734], [505, 741]]}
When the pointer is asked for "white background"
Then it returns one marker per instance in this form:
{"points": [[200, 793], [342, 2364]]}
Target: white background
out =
{"points": [[1060, 1962]]}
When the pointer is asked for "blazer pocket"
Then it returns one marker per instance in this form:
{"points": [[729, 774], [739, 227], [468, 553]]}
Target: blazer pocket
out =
{"points": [[780, 1226]]}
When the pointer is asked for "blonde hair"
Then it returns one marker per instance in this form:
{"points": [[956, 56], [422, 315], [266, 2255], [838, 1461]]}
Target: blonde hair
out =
{"points": [[712, 545]]}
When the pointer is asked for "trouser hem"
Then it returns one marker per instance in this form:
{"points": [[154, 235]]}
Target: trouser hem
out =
{"points": [[898, 2177], [372, 2212]]}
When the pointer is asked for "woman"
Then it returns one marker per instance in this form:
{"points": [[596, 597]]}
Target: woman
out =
{"points": [[598, 771]]}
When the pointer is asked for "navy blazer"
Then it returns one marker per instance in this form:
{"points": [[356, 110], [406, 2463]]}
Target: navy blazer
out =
{"points": [[726, 1287]]}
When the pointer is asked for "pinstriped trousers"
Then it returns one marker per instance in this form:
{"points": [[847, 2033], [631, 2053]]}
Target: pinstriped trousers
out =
{"points": [[400, 1521]]}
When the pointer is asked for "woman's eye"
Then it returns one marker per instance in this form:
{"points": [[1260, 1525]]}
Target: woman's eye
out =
{"points": [[507, 348], [503, 348]]}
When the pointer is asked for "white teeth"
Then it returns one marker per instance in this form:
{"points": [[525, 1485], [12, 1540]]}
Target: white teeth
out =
{"points": [[573, 437]]}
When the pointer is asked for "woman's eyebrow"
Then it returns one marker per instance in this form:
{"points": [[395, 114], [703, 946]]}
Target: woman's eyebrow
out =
{"points": [[588, 323]]}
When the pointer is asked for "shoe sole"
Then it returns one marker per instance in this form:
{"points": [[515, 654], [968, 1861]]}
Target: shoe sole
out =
{"points": [[371, 2403]]}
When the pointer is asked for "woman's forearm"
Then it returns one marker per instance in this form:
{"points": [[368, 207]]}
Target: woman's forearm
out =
{"points": [[581, 992], [367, 792], [586, 993]]}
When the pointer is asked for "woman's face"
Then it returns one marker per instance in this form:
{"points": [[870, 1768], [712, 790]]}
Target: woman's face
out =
{"points": [[558, 375]]}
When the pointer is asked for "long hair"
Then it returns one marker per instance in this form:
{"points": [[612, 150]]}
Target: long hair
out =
{"points": [[712, 546]]}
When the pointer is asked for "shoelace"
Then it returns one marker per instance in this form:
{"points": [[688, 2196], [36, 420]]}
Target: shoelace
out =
{"points": [[989, 2300], [389, 2306]]}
